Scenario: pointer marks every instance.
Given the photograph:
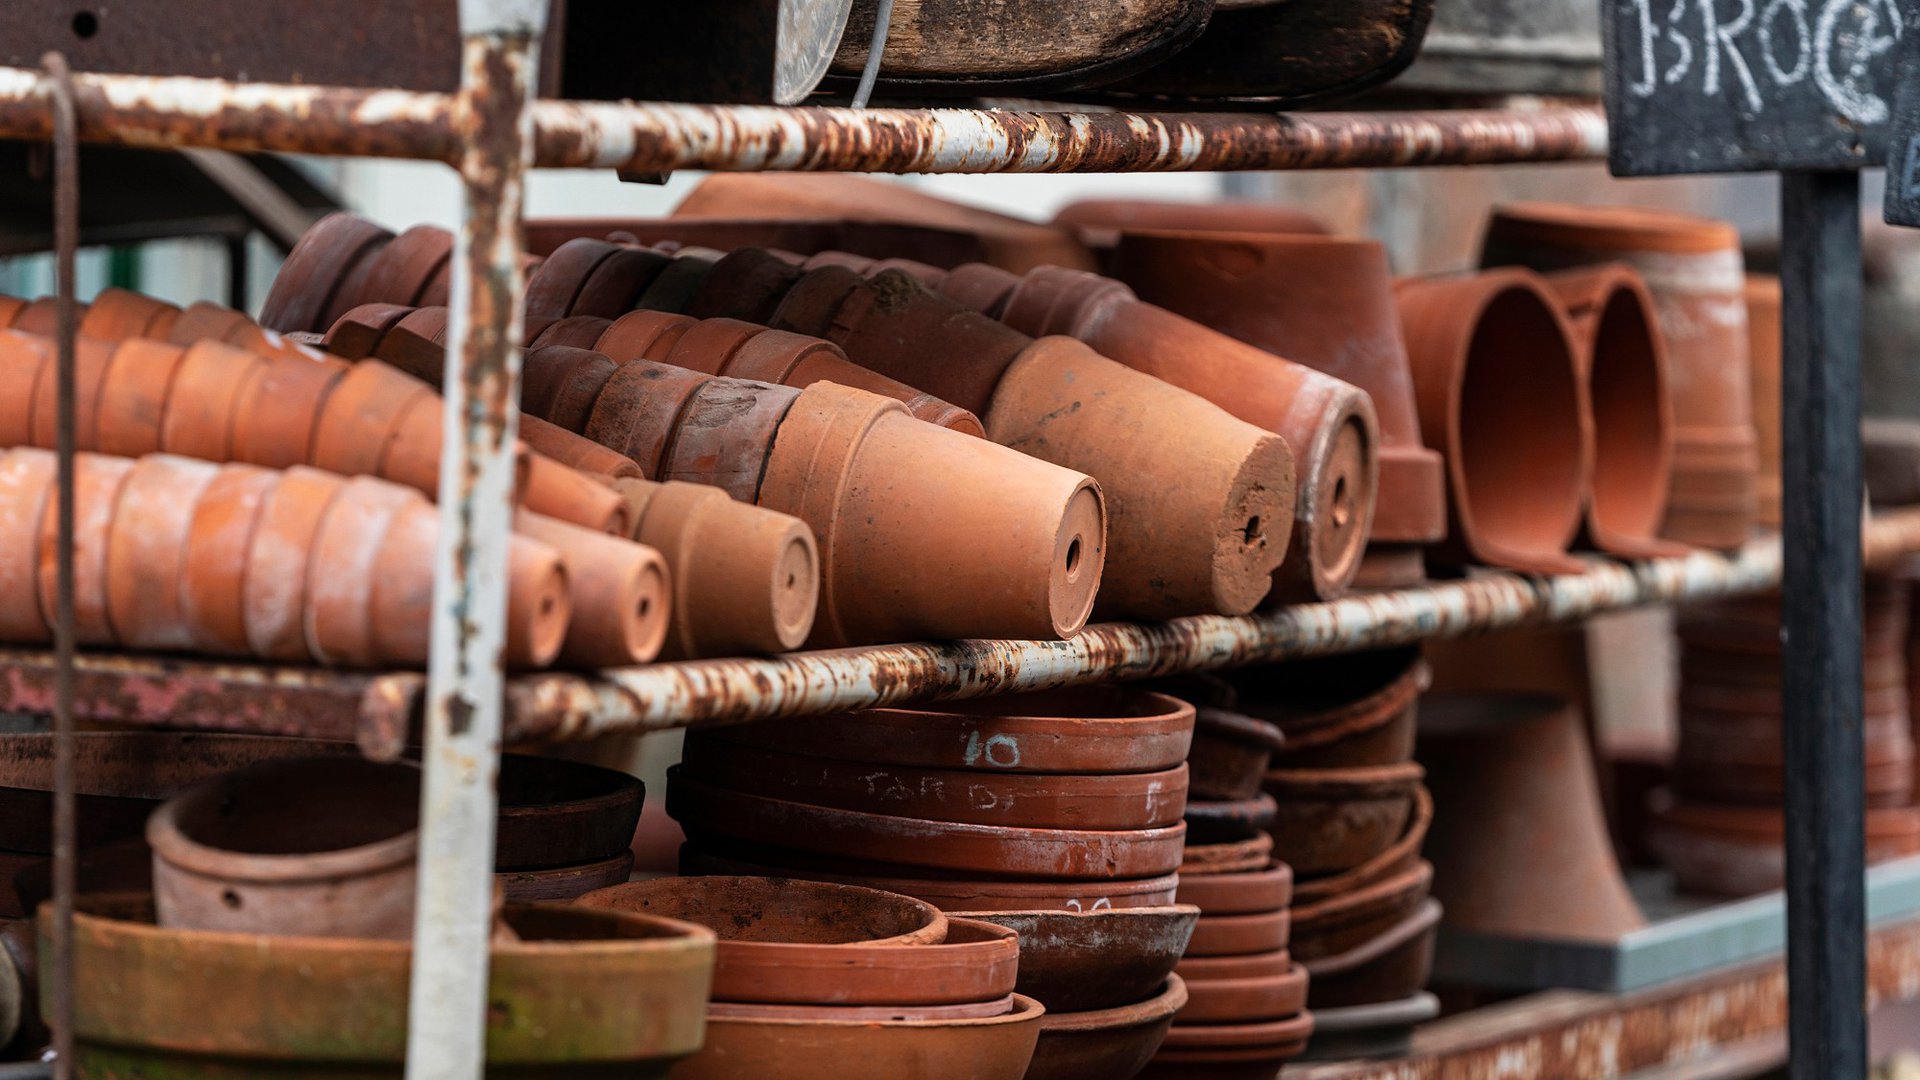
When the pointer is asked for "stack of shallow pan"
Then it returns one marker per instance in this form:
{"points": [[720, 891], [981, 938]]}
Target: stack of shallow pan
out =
{"points": [[812, 977], [566, 828], [1057, 815]]}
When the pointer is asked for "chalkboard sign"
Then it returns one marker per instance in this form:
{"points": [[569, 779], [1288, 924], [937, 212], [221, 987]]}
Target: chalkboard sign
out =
{"points": [[1903, 140], [1700, 86]]}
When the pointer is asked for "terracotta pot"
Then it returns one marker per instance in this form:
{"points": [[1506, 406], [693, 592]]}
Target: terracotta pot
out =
{"points": [[1334, 926], [1240, 1001], [619, 591], [1692, 266], [993, 1048], [759, 911], [1230, 753], [1241, 935], [1093, 729], [977, 1010], [203, 401], [1397, 858], [147, 551], [564, 882], [400, 271], [555, 812], [1726, 850], [1238, 857], [1246, 893], [311, 280], [133, 398], [1762, 295], [1266, 1036], [678, 287], [551, 370], [1124, 801], [361, 417], [276, 418], [755, 572], [98, 482], [1519, 836], [1225, 822], [618, 281], [357, 334], [1081, 961], [1390, 967], [27, 479], [212, 590], [25, 360], [42, 316], [1197, 969], [351, 539], [953, 893], [341, 1004], [703, 809], [274, 593], [643, 335], [116, 314], [1100, 222], [1324, 731], [1622, 357], [1331, 820], [1105, 1044], [1501, 400], [320, 847]]}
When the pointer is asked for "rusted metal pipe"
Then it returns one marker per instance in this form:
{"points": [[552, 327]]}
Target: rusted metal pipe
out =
{"points": [[149, 111]]}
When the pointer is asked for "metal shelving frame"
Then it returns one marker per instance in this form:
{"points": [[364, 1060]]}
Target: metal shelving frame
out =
{"points": [[491, 131]]}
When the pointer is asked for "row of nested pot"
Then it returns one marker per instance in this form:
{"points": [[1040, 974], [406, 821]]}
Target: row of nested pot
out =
{"points": [[1721, 828]]}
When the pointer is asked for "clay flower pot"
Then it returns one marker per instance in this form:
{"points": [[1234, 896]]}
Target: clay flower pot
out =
{"points": [[1501, 400], [1334, 926], [1093, 729], [765, 912], [1692, 266], [564, 882], [1003, 851], [320, 847], [619, 592], [1344, 711], [555, 812], [1763, 354], [1397, 858], [1087, 961], [1196, 969], [400, 271], [1230, 753], [98, 482], [273, 597], [1238, 857], [1267, 1043], [1241, 935], [1623, 361], [147, 553], [1725, 850], [304, 291], [991, 1048], [1246, 893], [212, 591], [1031, 396], [133, 397], [337, 1000], [974, 1010], [1101, 222], [1104, 1044], [27, 479], [1123, 801], [1226, 821], [1241, 1001], [1391, 966], [1331, 820]]}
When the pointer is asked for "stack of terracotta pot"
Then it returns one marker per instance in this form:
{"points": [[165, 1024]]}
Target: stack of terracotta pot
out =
{"points": [[1352, 815], [813, 978], [1721, 828], [1056, 814]]}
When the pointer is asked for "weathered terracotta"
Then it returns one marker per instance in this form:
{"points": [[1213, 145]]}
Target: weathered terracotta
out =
{"points": [[555, 812], [1091, 960], [147, 553], [745, 579], [1230, 753], [1692, 266], [1246, 893], [1101, 222], [973, 1010], [314, 275], [42, 316], [318, 847], [1235, 858], [1622, 356], [1289, 1032], [115, 314], [1726, 850], [27, 481], [1241, 935], [1222, 822], [133, 399], [212, 590], [992, 1048], [1389, 967], [1105, 1044], [1501, 400], [342, 571], [564, 882], [203, 402], [1025, 800], [1239, 1001], [98, 483], [1397, 858], [1346, 711], [1519, 837], [401, 269], [341, 1005], [1012, 243], [1380, 1031], [1336, 925], [1006, 851], [275, 419], [619, 591], [274, 595], [1093, 729], [1331, 820], [552, 288], [1762, 295], [25, 360], [1250, 966], [618, 281]]}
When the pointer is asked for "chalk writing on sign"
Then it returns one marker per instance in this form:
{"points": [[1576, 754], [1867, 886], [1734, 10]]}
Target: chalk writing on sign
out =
{"points": [[1751, 53]]}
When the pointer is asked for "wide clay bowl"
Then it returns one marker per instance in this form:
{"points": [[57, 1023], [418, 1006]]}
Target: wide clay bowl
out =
{"points": [[966, 1010], [1229, 754], [1337, 925], [1227, 821], [1398, 858], [1241, 935], [1331, 820], [1237, 857], [1387, 967], [1240, 1001], [1245, 893], [592, 993], [1105, 1044], [1231, 1061], [1266, 1033], [563, 813], [1091, 729], [121, 776], [1022, 800], [1001, 851], [995, 1048], [1082, 961], [749, 912], [1197, 969], [1342, 711], [949, 893], [564, 882]]}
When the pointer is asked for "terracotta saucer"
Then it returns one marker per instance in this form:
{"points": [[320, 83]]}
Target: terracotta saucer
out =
{"points": [[1235, 858], [1083, 961], [1271, 1033], [1230, 753], [1240, 935], [1105, 1044], [995, 1048], [564, 882], [558, 813], [1386, 967], [756, 911], [1240, 1001], [1245, 893], [1335, 925], [1332, 820], [971, 1010], [1228, 821], [1197, 969]]}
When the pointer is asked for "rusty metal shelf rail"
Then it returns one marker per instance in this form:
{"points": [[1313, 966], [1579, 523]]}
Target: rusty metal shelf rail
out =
{"points": [[381, 710]]}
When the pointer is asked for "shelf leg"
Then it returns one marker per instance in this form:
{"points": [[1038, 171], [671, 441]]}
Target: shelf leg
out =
{"points": [[447, 1005], [1821, 600]]}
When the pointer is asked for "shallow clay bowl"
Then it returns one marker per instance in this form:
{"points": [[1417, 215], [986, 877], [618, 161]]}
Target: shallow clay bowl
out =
{"points": [[1397, 859], [1240, 935], [564, 882], [1341, 923], [1092, 729], [1389, 967], [1241, 1001], [1022, 800], [1083, 961], [1245, 893], [752, 914], [966, 1010], [996, 1048], [1331, 820], [1269, 1033], [1197, 969], [1105, 1044], [563, 813], [1230, 753], [1229, 821], [952, 894], [999, 851], [1234, 858]]}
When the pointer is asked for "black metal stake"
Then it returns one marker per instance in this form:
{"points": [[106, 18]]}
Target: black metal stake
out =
{"points": [[1821, 598]]}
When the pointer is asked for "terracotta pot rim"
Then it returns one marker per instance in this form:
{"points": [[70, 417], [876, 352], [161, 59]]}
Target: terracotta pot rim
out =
{"points": [[1304, 726], [1025, 1011], [1397, 853], [1620, 229], [171, 843], [1235, 857], [1276, 875], [1170, 999], [1161, 714], [1202, 969], [1234, 1036], [1346, 783], [1417, 922], [1346, 908], [933, 928], [753, 1010], [1237, 727], [885, 877]]}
